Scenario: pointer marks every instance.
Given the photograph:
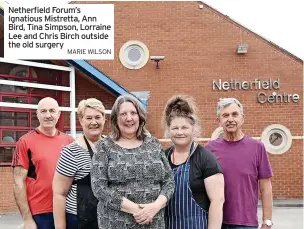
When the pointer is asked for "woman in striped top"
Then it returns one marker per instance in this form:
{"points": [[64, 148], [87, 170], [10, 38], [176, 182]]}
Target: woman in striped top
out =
{"points": [[75, 206], [199, 184]]}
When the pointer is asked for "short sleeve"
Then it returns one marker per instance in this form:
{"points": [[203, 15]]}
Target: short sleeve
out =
{"points": [[21, 157], [264, 167], [67, 164], [209, 166], [71, 139]]}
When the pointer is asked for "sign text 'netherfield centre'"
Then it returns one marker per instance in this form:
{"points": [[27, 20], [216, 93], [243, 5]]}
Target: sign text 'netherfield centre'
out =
{"points": [[257, 84]]}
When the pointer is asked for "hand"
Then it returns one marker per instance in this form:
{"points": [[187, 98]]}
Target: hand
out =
{"points": [[29, 224], [145, 216], [264, 226]]}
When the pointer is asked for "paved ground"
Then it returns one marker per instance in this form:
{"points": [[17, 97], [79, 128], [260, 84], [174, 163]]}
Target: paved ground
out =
{"points": [[286, 218], [283, 217]]}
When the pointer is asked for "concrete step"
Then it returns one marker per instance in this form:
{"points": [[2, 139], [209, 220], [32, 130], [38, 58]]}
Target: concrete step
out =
{"points": [[286, 203]]}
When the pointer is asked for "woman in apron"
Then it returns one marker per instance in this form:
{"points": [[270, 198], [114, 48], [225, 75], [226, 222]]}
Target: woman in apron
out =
{"points": [[199, 184], [75, 206]]}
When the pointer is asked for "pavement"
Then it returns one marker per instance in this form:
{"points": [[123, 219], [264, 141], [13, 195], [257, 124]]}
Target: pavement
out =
{"points": [[287, 214], [286, 203]]}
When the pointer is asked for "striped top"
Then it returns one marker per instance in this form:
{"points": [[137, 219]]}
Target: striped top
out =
{"points": [[74, 161]]}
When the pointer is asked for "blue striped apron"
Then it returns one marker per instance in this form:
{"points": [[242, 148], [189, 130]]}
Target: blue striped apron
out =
{"points": [[182, 211]]}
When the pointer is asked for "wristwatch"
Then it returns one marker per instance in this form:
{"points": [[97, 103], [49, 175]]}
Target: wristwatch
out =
{"points": [[267, 222]]}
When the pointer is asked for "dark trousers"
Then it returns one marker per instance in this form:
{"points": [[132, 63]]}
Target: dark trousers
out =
{"points": [[71, 221], [228, 226], [44, 221]]}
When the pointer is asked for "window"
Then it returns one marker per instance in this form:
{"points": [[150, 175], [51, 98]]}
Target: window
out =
{"points": [[8, 139], [134, 55], [15, 122], [277, 139]]}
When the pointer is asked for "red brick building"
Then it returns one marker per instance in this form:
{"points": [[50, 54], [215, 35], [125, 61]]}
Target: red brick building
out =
{"points": [[199, 46]]}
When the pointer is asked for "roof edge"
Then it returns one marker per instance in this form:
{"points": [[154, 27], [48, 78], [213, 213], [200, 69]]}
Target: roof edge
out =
{"points": [[254, 33], [100, 78]]}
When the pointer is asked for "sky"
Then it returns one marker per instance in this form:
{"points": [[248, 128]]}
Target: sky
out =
{"points": [[279, 21]]}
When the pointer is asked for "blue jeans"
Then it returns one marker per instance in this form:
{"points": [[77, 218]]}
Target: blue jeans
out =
{"points": [[44, 220], [71, 221], [228, 226]]}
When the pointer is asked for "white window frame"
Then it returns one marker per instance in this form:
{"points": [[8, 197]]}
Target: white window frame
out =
{"points": [[284, 132], [216, 133], [71, 89], [135, 65]]}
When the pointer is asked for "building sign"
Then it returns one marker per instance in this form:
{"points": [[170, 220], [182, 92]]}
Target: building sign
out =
{"points": [[257, 84]]}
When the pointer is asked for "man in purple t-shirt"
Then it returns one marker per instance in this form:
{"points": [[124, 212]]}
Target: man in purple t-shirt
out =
{"points": [[246, 170]]}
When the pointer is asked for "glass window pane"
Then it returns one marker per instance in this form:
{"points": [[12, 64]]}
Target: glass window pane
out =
{"points": [[35, 122], [20, 71], [276, 139], [134, 54], [44, 92], [18, 89], [9, 118], [6, 88], [11, 136], [10, 99], [6, 153], [47, 76]]}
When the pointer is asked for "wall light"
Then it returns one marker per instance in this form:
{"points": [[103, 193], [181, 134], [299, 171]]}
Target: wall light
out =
{"points": [[157, 59], [242, 48]]}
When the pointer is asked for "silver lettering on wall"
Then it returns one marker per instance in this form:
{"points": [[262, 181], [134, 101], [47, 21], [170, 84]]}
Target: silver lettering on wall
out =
{"points": [[277, 98], [257, 84]]}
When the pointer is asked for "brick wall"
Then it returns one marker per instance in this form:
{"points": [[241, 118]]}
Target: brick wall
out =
{"points": [[7, 200], [199, 46]]}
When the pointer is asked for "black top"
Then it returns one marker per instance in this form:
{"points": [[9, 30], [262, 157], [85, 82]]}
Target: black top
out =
{"points": [[203, 164]]}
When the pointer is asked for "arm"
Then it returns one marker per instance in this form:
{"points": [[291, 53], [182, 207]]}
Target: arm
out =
{"points": [[129, 207], [148, 211], [215, 191], [66, 169], [266, 197], [264, 176], [99, 183], [20, 174], [167, 188], [61, 187], [20, 165], [168, 184]]}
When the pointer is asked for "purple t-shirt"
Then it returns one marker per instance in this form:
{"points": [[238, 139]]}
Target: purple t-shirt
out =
{"points": [[244, 162]]}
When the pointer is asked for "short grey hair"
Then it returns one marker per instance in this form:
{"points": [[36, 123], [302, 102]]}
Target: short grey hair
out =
{"points": [[226, 102], [142, 132]]}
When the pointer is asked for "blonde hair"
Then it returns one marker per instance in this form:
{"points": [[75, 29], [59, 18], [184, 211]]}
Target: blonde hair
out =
{"points": [[90, 103], [181, 106]]}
